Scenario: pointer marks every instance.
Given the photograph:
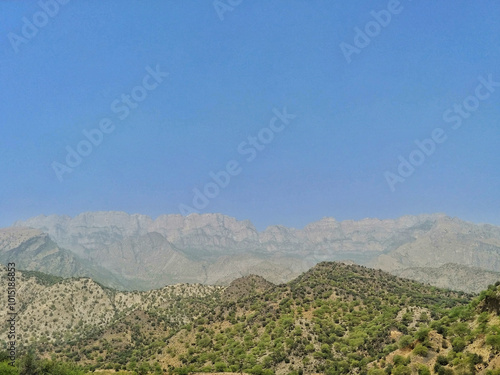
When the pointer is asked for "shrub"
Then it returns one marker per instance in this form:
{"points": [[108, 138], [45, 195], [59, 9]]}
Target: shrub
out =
{"points": [[421, 350], [422, 333], [423, 370], [493, 341], [400, 360], [220, 367], [6, 369], [405, 341], [376, 371], [401, 370], [442, 360], [458, 344]]}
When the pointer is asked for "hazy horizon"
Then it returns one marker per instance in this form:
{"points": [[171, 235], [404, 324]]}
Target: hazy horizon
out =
{"points": [[261, 229]]}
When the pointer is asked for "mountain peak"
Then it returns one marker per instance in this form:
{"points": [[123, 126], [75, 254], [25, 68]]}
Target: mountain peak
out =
{"points": [[247, 286]]}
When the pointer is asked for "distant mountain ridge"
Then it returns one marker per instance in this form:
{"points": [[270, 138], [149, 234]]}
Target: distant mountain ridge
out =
{"points": [[450, 276], [217, 233], [34, 250], [142, 253]]}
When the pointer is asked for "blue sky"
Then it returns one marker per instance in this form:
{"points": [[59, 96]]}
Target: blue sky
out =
{"points": [[226, 78]]}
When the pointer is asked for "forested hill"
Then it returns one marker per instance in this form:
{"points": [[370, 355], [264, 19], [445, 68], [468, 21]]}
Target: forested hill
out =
{"points": [[335, 319]]}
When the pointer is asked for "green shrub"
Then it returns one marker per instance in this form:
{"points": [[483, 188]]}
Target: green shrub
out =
{"points": [[401, 370], [405, 341], [376, 371], [420, 350], [458, 344], [493, 341], [422, 334], [423, 370], [442, 360], [6, 369]]}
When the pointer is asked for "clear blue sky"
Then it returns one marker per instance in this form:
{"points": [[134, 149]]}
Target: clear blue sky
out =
{"points": [[225, 77]]}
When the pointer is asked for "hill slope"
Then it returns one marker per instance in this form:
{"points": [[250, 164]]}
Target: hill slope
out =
{"points": [[53, 310], [335, 319], [465, 341]]}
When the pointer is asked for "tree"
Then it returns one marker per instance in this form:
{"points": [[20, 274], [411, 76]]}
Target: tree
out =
{"points": [[424, 317], [422, 334], [257, 370], [29, 364], [143, 368], [494, 341], [158, 370], [442, 360]]}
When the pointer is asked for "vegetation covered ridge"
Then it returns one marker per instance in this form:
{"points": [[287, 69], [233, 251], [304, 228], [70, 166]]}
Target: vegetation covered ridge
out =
{"points": [[333, 319]]}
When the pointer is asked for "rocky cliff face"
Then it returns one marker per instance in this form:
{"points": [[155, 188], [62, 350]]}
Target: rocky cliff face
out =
{"points": [[451, 276], [210, 234], [213, 248], [448, 240], [90, 230]]}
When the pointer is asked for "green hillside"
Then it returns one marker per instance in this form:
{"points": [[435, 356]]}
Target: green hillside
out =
{"points": [[333, 319]]}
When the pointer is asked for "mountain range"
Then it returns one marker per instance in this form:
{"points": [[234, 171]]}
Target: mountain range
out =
{"points": [[136, 252]]}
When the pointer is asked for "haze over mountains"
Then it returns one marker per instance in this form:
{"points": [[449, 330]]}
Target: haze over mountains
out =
{"points": [[136, 252]]}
